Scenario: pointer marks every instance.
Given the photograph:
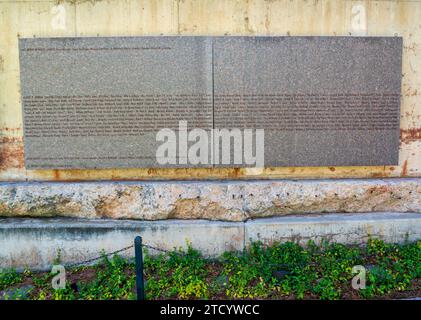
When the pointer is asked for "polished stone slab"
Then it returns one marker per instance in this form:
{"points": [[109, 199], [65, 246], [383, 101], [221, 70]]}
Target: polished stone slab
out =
{"points": [[99, 102], [323, 101]]}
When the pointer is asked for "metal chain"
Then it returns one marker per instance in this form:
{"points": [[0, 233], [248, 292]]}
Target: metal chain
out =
{"points": [[98, 258], [85, 262], [155, 248], [161, 250]]}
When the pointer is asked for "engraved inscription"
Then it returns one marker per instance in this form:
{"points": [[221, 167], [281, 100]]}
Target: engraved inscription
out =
{"points": [[128, 115], [302, 112], [99, 102]]}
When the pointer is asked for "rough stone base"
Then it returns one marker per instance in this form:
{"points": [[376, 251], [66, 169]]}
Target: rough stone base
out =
{"points": [[35, 243], [211, 200]]}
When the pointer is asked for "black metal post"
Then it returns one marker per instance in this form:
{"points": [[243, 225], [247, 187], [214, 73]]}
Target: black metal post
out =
{"points": [[140, 288]]}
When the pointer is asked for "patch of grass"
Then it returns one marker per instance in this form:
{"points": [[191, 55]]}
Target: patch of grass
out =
{"points": [[113, 281], [176, 275], [10, 277], [278, 271]]}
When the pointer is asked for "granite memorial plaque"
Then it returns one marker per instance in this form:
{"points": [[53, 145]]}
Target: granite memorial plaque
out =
{"points": [[323, 101], [99, 102]]}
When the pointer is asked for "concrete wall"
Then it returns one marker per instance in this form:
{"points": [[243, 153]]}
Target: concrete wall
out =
{"points": [[43, 18], [35, 243]]}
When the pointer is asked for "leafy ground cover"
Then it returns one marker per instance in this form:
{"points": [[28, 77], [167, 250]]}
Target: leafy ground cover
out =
{"points": [[278, 271]]}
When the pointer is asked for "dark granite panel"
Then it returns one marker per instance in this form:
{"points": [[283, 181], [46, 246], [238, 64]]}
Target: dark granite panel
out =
{"points": [[323, 101], [99, 102]]}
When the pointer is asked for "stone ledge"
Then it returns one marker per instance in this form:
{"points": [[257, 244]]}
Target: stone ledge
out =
{"points": [[345, 228], [210, 200], [34, 243]]}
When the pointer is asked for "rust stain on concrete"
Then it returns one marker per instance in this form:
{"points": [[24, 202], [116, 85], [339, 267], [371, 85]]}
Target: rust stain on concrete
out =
{"points": [[56, 174], [11, 152], [408, 135], [183, 174], [405, 168]]}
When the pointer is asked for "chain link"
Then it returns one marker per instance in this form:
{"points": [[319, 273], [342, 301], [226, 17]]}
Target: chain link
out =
{"points": [[162, 250], [72, 265], [85, 262], [155, 248]]}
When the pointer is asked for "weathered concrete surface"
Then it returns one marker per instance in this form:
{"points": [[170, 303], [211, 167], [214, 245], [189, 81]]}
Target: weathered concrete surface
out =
{"points": [[343, 228], [35, 243], [189, 17], [229, 200]]}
